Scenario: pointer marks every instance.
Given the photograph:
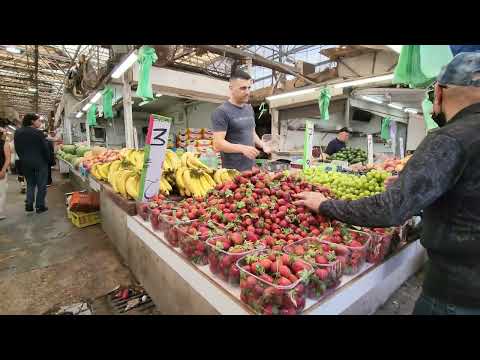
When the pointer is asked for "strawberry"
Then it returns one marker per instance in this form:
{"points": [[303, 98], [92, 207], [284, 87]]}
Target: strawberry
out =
{"points": [[251, 236], [275, 267], [236, 238], [277, 247], [247, 268], [320, 259], [292, 278], [266, 263], [284, 282], [299, 250], [271, 257], [266, 278], [234, 271], [258, 289], [285, 259], [230, 217], [355, 243], [298, 266], [251, 282], [284, 271], [322, 274]]}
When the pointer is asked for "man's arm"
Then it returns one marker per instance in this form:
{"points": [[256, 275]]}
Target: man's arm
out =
{"points": [[6, 151], [258, 142], [436, 166], [329, 149]]}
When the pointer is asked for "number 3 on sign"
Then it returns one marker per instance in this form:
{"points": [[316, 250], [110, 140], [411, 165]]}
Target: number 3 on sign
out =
{"points": [[159, 135]]}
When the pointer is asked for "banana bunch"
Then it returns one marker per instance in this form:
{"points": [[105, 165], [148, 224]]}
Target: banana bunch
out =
{"points": [[100, 171], [172, 161], [126, 182], [224, 175], [193, 182], [188, 160], [134, 157], [165, 186]]}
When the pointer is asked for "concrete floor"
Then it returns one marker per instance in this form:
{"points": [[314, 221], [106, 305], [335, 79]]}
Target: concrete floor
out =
{"points": [[46, 262]]}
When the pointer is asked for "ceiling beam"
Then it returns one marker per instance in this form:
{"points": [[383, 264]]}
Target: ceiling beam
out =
{"points": [[256, 60]]}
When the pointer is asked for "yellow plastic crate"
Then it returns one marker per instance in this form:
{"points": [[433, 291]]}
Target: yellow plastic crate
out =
{"points": [[81, 220]]}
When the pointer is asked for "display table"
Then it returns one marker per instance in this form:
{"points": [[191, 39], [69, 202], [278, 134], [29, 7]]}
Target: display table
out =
{"points": [[180, 287]]}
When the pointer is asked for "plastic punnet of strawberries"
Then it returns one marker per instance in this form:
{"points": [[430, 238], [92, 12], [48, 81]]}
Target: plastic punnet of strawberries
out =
{"points": [[352, 246], [380, 244], [192, 238], [225, 250], [273, 283], [328, 269]]}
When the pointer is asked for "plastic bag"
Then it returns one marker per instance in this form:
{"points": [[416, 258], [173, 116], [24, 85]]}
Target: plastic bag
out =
{"points": [[107, 103], [324, 103], [408, 70], [91, 115], [146, 58], [427, 108], [433, 58], [385, 132]]}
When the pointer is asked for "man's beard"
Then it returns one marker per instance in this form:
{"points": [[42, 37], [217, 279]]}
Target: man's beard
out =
{"points": [[440, 119]]}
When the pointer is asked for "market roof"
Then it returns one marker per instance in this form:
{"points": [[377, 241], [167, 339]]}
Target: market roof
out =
{"points": [[32, 77]]}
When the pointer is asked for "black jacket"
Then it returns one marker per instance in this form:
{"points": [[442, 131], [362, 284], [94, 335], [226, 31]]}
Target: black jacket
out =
{"points": [[334, 146], [31, 147], [443, 179]]}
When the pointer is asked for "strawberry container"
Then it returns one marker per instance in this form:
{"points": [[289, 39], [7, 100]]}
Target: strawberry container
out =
{"points": [[265, 296], [351, 257], [192, 237], [167, 224], [222, 262], [143, 210], [380, 244], [328, 270]]}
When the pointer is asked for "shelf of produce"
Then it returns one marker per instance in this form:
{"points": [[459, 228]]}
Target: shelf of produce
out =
{"points": [[373, 284]]}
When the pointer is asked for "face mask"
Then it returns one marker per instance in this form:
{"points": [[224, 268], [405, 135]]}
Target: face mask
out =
{"points": [[440, 119]]}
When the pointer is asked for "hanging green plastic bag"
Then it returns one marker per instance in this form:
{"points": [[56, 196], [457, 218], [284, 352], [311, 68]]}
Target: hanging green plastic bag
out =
{"points": [[262, 109], [408, 70], [324, 103], [91, 115], [433, 58], [146, 58], [385, 132], [107, 103], [427, 108]]}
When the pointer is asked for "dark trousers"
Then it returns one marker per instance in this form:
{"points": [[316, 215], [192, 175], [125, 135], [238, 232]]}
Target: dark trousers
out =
{"points": [[49, 180], [427, 305], [37, 178]]}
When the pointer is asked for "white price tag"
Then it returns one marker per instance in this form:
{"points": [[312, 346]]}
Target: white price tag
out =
{"points": [[370, 149], [155, 149], [308, 144]]}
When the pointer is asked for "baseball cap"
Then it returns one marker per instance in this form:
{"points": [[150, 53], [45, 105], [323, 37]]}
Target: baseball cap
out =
{"points": [[463, 70]]}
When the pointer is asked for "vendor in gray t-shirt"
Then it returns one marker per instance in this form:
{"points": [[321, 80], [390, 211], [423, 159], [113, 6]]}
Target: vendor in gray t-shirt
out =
{"points": [[233, 125]]}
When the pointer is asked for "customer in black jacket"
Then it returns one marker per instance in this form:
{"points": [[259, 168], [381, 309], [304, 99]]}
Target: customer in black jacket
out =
{"points": [[443, 179], [32, 149], [51, 153]]}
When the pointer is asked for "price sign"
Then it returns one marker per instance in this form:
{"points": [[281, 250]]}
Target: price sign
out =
{"points": [[308, 144], [402, 148], [370, 149], [154, 155]]}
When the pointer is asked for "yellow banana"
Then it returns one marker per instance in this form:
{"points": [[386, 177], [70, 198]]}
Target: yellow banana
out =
{"points": [[195, 163], [112, 169], [132, 186], [179, 178], [190, 183], [217, 176], [184, 159], [225, 177], [205, 183], [209, 180]]}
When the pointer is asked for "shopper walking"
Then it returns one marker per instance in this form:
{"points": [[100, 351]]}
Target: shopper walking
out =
{"points": [[4, 163], [16, 167], [51, 158], [233, 125], [443, 179], [32, 148]]}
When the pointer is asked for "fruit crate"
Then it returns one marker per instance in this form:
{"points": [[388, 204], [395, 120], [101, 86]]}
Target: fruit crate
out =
{"points": [[328, 275], [351, 258], [268, 298], [222, 263], [380, 245], [81, 220], [192, 237]]}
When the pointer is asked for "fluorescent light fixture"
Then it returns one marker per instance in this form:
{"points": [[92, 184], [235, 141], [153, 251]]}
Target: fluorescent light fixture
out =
{"points": [[371, 99], [96, 97], [79, 114], [32, 89], [124, 65], [13, 49], [364, 81], [410, 110], [11, 127], [158, 95], [394, 106], [291, 93], [86, 107], [396, 48]]}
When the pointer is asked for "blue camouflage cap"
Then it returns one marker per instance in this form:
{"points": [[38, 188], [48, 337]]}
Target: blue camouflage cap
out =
{"points": [[463, 70]]}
